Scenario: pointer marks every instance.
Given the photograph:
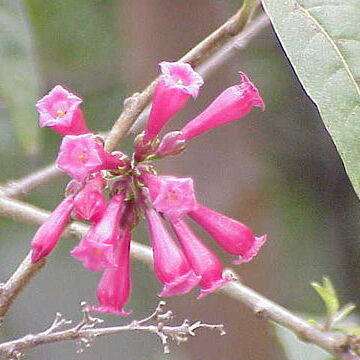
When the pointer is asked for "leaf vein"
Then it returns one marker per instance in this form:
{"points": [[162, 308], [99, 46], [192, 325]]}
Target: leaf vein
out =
{"points": [[333, 44]]}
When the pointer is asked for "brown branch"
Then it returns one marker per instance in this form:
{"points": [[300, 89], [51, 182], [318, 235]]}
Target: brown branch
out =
{"points": [[86, 331], [261, 306], [22, 276], [30, 182], [134, 105]]}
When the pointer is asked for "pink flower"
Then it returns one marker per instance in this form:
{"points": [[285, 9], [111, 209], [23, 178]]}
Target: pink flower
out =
{"points": [[90, 202], [172, 196], [232, 104], [202, 260], [48, 234], [233, 236], [177, 83], [83, 155], [96, 248], [60, 110], [170, 265], [114, 287]]}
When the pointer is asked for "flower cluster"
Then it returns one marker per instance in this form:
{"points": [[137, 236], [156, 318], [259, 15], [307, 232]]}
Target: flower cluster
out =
{"points": [[134, 190]]}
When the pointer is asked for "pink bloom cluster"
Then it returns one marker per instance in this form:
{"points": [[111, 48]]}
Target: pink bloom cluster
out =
{"points": [[134, 190]]}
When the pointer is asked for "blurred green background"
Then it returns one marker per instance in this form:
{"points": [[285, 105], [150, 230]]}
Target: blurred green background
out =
{"points": [[277, 171]]}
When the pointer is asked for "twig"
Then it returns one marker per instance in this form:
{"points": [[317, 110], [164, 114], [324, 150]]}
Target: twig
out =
{"points": [[262, 307], [86, 331], [267, 309], [25, 185], [134, 105], [11, 289]]}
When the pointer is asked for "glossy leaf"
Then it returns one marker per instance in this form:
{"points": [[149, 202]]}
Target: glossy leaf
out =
{"points": [[322, 41], [19, 83]]}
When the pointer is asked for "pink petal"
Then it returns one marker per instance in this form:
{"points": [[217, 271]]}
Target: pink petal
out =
{"points": [[233, 236], [170, 265], [114, 287], [48, 234], [60, 111], [232, 104], [203, 261], [177, 83]]}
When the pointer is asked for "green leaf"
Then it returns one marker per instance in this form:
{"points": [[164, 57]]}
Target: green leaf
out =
{"points": [[322, 41], [344, 313], [19, 80], [328, 295], [350, 330]]}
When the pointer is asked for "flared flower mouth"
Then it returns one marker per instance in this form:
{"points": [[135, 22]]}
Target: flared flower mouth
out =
{"points": [[182, 285], [95, 256], [214, 286], [58, 105], [176, 196], [181, 76], [252, 92], [253, 251]]}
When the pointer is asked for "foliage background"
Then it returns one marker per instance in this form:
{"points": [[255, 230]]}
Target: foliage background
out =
{"points": [[277, 171]]}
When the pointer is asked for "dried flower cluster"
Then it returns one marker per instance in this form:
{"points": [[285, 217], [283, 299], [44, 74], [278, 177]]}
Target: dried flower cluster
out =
{"points": [[135, 190]]}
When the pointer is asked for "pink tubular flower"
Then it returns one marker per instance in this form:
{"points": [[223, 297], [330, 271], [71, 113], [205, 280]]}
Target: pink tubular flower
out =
{"points": [[96, 248], [82, 155], [48, 234], [90, 203], [233, 236], [232, 104], [170, 265], [172, 196], [60, 110], [177, 83], [202, 260], [114, 287]]}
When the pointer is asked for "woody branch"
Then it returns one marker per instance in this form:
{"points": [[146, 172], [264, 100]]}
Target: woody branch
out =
{"points": [[87, 330]]}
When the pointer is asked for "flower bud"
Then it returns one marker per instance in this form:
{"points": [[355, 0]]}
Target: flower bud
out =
{"points": [[171, 144]]}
